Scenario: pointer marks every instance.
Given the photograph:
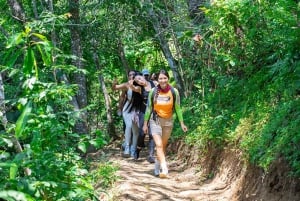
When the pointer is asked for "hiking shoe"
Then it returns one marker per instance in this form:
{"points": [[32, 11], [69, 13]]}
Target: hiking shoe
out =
{"points": [[136, 154], [156, 168], [126, 153], [163, 175], [151, 159], [164, 171], [123, 146]]}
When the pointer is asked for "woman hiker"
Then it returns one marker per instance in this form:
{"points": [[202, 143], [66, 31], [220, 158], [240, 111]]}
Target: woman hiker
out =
{"points": [[147, 86], [163, 100], [130, 112]]}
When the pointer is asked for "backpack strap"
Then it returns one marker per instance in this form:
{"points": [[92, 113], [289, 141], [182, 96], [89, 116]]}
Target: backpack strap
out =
{"points": [[173, 94], [174, 98], [152, 95], [152, 99], [152, 84]]}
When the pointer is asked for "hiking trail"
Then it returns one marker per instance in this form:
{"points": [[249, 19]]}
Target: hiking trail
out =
{"points": [[137, 181], [219, 175]]}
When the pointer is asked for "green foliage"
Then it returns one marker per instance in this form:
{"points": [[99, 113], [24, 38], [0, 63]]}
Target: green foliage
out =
{"points": [[241, 77], [249, 89], [48, 168], [22, 120], [279, 137], [97, 140], [13, 168], [105, 175], [11, 195]]}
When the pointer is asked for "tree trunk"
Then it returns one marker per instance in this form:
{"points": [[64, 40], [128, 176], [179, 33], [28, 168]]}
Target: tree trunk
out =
{"points": [[110, 122], [17, 10], [122, 56], [195, 13], [165, 47], [3, 31], [2, 105], [62, 77], [34, 8], [18, 14], [79, 78], [17, 146], [4, 121]]}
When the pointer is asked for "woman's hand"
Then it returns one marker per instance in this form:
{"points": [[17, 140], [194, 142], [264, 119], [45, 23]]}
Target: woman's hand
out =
{"points": [[183, 127], [130, 82], [114, 84], [134, 88], [145, 128]]}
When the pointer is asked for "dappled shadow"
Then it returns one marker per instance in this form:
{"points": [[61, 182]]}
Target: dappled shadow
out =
{"points": [[139, 183], [221, 176]]}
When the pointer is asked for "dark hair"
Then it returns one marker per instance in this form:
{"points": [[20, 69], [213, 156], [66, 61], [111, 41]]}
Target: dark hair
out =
{"points": [[131, 71], [153, 76], [137, 98], [164, 72]]}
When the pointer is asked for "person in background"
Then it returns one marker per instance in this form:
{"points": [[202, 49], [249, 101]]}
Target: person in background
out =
{"points": [[138, 107], [159, 115], [148, 85], [153, 78], [122, 101], [130, 108]]}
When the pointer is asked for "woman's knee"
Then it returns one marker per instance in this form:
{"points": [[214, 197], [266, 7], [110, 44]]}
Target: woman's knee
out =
{"points": [[159, 146]]}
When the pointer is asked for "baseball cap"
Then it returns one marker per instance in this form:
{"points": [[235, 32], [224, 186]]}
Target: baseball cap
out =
{"points": [[145, 72]]}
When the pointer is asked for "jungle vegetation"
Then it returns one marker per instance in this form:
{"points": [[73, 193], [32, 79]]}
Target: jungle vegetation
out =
{"points": [[236, 64]]}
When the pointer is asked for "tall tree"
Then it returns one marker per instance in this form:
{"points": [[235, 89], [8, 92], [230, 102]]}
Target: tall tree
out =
{"points": [[79, 78], [110, 123], [2, 105], [80, 127], [164, 45], [18, 14]]}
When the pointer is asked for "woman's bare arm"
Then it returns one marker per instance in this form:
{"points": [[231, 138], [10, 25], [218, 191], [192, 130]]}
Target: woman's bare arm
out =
{"points": [[134, 88], [123, 86]]}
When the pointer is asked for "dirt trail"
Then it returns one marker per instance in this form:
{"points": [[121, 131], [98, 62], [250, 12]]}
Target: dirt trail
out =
{"points": [[139, 183], [231, 178]]}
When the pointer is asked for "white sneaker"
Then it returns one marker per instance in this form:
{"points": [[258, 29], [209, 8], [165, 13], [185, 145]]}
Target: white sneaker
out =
{"points": [[164, 171], [157, 168]]}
